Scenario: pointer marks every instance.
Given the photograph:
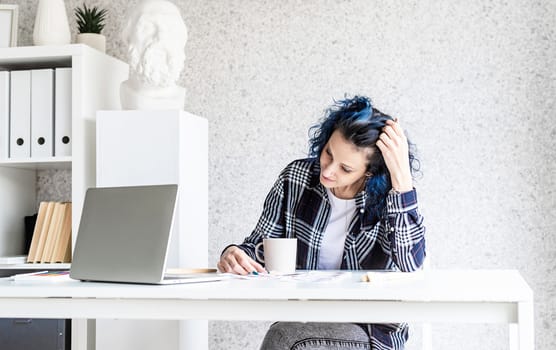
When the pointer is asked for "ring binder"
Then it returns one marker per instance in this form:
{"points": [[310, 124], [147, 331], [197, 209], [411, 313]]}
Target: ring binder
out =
{"points": [[42, 95], [20, 114]]}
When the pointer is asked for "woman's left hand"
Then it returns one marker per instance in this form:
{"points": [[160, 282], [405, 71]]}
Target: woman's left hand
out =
{"points": [[394, 147]]}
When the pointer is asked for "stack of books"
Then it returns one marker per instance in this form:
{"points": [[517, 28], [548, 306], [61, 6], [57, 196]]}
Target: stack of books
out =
{"points": [[51, 242]]}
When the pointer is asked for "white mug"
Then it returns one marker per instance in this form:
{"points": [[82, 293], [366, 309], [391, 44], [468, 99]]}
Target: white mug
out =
{"points": [[280, 254]]}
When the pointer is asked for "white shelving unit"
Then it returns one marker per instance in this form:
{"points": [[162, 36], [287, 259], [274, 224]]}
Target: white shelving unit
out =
{"points": [[96, 79]]}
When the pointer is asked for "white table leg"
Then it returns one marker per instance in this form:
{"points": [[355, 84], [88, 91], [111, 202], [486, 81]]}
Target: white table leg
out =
{"points": [[193, 335], [427, 336], [83, 334], [522, 333], [514, 336], [526, 327], [91, 334]]}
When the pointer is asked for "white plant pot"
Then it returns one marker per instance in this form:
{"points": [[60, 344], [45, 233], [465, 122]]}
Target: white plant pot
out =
{"points": [[97, 41], [51, 24]]}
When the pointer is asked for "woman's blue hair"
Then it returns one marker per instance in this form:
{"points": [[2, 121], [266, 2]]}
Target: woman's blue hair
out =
{"points": [[360, 124]]}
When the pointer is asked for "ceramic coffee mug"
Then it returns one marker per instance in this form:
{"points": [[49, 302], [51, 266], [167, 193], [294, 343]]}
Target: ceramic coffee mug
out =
{"points": [[280, 254]]}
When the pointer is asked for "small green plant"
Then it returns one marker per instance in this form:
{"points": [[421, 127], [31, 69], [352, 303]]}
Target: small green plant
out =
{"points": [[90, 20]]}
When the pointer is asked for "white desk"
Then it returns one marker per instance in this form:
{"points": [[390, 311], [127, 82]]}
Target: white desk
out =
{"points": [[440, 296]]}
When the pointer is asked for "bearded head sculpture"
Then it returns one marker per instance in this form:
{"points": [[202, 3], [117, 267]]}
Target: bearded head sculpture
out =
{"points": [[155, 35]]}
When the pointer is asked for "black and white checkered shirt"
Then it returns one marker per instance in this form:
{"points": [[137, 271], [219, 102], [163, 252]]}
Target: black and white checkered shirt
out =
{"points": [[298, 207]]}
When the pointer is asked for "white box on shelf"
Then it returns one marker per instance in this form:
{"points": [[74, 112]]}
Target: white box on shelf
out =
{"points": [[62, 113], [4, 114], [160, 147], [20, 114], [42, 108]]}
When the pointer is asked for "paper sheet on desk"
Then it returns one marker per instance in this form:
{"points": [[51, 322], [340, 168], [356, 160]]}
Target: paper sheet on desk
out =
{"points": [[51, 276], [313, 276]]}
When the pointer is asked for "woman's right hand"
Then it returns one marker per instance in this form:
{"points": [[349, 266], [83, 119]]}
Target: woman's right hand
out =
{"points": [[235, 260]]}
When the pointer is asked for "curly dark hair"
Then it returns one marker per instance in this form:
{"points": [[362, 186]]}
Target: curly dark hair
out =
{"points": [[360, 123]]}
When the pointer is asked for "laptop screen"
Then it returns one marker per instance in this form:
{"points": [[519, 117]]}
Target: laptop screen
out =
{"points": [[124, 234]]}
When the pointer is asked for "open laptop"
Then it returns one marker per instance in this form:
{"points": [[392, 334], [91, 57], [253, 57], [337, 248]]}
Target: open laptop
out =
{"points": [[124, 236]]}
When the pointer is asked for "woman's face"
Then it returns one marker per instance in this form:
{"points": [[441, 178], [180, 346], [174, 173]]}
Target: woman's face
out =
{"points": [[342, 163]]}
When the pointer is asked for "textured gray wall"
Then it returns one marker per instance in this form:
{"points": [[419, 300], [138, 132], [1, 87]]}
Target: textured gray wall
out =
{"points": [[474, 83]]}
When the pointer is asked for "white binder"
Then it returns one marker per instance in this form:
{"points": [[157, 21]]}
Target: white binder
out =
{"points": [[20, 114], [62, 112], [42, 103], [4, 114]]}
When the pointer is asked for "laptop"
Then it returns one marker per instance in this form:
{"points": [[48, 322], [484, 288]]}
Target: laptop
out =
{"points": [[124, 236]]}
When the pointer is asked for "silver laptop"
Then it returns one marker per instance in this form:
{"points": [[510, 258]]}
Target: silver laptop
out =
{"points": [[124, 236]]}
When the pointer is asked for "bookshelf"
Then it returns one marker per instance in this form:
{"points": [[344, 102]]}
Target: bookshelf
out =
{"points": [[95, 80]]}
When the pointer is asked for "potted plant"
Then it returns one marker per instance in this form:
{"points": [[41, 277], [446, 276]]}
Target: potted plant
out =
{"points": [[90, 22]]}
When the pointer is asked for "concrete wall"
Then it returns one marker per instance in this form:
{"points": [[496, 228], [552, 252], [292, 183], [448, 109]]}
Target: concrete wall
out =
{"points": [[473, 82]]}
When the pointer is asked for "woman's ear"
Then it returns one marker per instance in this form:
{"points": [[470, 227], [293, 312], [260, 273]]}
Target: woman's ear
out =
{"points": [[368, 174]]}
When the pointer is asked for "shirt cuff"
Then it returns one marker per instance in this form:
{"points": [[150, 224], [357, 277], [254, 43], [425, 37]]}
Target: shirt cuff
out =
{"points": [[401, 202]]}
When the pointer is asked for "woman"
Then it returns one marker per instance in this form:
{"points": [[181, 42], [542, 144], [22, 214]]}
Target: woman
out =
{"points": [[351, 205]]}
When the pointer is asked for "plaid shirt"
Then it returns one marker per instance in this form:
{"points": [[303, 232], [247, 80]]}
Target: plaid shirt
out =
{"points": [[298, 206]]}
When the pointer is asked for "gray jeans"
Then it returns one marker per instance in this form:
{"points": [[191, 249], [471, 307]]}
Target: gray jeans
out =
{"points": [[315, 336]]}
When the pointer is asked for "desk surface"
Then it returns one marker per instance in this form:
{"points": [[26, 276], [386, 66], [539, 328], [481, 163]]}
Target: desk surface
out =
{"points": [[435, 285], [438, 296]]}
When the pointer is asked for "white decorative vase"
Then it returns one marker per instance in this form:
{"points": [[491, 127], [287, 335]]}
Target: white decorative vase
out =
{"points": [[97, 41], [51, 24]]}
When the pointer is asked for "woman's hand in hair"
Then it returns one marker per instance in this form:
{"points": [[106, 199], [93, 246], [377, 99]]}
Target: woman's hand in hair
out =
{"points": [[394, 147], [235, 260]]}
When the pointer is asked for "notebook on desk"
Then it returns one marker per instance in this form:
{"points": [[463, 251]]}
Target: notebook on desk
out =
{"points": [[124, 236]]}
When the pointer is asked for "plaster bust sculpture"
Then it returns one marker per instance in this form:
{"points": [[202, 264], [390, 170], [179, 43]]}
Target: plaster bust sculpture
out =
{"points": [[155, 35]]}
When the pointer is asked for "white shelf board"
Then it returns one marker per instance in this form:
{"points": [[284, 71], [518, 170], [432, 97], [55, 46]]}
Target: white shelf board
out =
{"points": [[45, 266], [38, 163], [33, 56], [27, 57], [38, 51]]}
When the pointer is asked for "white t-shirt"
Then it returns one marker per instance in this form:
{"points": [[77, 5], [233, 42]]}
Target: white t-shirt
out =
{"points": [[332, 246]]}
